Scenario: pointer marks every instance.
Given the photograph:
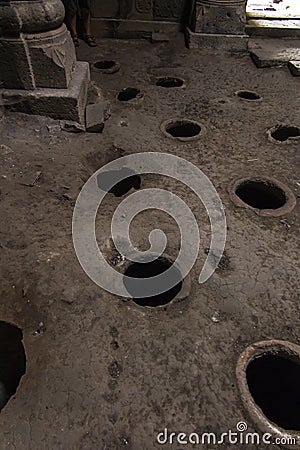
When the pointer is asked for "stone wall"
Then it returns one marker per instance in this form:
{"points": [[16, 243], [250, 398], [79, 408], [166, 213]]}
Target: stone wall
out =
{"points": [[128, 18], [170, 10]]}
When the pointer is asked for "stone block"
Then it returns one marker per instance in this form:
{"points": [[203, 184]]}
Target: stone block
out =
{"points": [[67, 104], [15, 67], [274, 52], [227, 42], [53, 57], [95, 116], [294, 67], [220, 18]]}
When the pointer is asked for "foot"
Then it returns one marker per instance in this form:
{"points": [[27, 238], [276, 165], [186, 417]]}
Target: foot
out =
{"points": [[75, 40], [90, 40]]}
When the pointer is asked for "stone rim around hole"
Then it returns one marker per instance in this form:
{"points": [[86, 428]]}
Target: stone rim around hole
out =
{"points": [[169, 82], [182, 129], [286, 202], [281, 348], [283, 134], [249, 96]]}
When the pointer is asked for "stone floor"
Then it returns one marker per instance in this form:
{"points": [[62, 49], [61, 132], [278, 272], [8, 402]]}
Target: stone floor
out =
{"points": [[103, 373]]}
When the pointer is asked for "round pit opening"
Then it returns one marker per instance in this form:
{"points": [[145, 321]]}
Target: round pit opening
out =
{"points": [[148, 270], [268, 375], [283, 133], [182, 129], [127, 94], [261, 195], [274, 383], [12, 361], [130, 180], [170, 82], [106, 66], [266, 195], [248, 95]]}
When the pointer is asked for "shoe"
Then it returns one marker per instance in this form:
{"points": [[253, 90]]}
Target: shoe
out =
{"points": [[90, 40]]}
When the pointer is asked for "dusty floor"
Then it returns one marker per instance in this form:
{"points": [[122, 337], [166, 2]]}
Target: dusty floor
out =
{"points": [[106, 374]]}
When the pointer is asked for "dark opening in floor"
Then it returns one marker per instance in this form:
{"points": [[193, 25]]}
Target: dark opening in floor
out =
{"points": [[169, 82], [148, 270], [183, 129], [104, 65], [261, 194], [282, 133], [274, 383], [248, 95], [12, 361], [128, 94], [129, 180]]}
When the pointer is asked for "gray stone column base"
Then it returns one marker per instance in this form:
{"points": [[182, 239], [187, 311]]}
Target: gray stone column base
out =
{"points": [[67, 104], [229, 42]]}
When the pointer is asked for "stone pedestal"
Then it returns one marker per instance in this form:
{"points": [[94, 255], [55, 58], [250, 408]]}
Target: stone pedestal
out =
{"points": [[38, 69], [218, 23], [220, 16]]}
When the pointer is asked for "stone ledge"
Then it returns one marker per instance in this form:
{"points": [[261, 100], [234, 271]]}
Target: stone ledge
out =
{"points": [[133, 29], [68, 104], [294, 67], [274, 52], [229, 42]]}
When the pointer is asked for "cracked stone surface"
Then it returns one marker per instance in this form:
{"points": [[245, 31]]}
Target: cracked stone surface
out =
{"points": [[107, 374]]}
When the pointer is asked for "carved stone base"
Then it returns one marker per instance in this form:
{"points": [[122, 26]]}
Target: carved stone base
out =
{"points": [[224, 17], [43, 59], [68, 104], [227, 42]]}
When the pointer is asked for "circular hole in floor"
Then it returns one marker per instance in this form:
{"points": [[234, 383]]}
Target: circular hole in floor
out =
{"points": [[283, 132], [183, 129], [12, 361], [169, 82], [274, 383], [148, 270], [130, 180], [104, 65], [127, 94], [248, 95], [261, 194]]}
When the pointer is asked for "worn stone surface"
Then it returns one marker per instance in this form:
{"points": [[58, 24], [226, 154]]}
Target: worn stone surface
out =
{"points": [[107, 374], [133, 29], [294, 67], [274, 52], [273, 28], [137, 18], [211, 41], [220, 18], [38, 70], [52, 58], [66, 104], [95, 116]]}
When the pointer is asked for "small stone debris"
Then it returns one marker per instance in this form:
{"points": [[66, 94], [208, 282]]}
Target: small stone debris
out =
{"points": [[216, 317], [40, 329], [72, 127], [36, 179], [95, 116], [115, 369]]}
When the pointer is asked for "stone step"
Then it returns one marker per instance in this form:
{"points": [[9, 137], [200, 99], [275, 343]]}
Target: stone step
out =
{"points": [[273, 52], [273, 28]]}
